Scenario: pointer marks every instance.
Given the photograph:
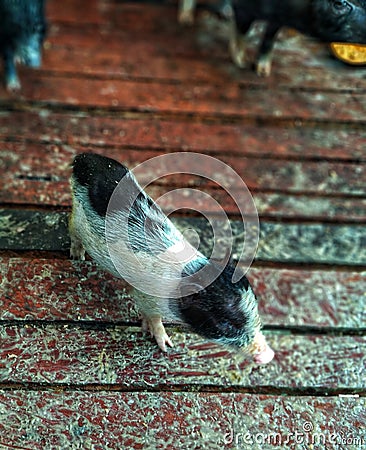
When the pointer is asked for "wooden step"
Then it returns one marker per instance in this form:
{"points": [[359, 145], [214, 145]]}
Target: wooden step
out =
{"points": [[54, 419], [298, 243], [64, 290]]}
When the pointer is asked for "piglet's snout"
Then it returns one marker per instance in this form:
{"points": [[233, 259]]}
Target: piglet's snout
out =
{"points": [[261, 351], [264, 357]]}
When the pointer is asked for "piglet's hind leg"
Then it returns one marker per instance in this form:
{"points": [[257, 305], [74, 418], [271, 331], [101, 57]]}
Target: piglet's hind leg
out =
{"points": [[157, 330], [77, 250]]}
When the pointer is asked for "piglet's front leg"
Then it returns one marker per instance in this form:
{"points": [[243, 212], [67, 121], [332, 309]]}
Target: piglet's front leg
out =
{"points": [[151, 312], [157, 330]]}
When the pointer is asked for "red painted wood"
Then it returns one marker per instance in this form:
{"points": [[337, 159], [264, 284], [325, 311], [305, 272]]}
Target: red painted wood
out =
{"points": [[276, 205], [38, 174], [123, 355], [132, 61], [310, 297], [298, 142], [80, 13], [40, 420], [54, 289], [62, 290], [207, 100]]}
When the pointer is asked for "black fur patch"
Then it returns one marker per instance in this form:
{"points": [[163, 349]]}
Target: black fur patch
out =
{"points": [[100, 175], [216, 311], [19, 19]]}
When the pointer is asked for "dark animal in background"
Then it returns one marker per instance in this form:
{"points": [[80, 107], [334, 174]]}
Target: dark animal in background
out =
{"points": [[224, 312], [22, 31], [326, 20]]}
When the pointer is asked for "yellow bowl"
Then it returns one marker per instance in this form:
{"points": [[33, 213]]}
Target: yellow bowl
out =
{"points": [[354, 54]]}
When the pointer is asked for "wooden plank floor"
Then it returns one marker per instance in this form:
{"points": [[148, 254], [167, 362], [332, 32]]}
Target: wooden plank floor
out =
{"points": [[123, 79]]}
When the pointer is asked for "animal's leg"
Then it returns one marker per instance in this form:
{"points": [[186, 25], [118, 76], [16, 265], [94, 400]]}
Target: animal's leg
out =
{"points": [[12, 82], [237, 44], [157, 330], [151, 312], [264, 60], [77, 250], [186, 11]]}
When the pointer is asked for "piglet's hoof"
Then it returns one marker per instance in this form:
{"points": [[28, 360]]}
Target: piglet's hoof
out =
{"points": [[264, 67], [157, 330]]}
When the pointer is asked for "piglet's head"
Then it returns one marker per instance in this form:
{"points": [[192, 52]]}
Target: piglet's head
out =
{"points": [[223, 311]]}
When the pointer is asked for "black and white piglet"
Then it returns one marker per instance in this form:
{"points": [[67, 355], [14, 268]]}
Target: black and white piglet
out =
{"points": [[153, 255], [22, 31], [326, 20]]}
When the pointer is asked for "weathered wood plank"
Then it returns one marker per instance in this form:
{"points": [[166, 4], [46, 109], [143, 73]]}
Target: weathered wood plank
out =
{"points": [[305, 207], [38, 174], [230, 100], [125, 64], [296, 141], [25, 230], [55, 289], [52, 162], [43, 420], [301, 297], [41, 190], [123, 355], [82, 13], [279, 242], [62, 290]]}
